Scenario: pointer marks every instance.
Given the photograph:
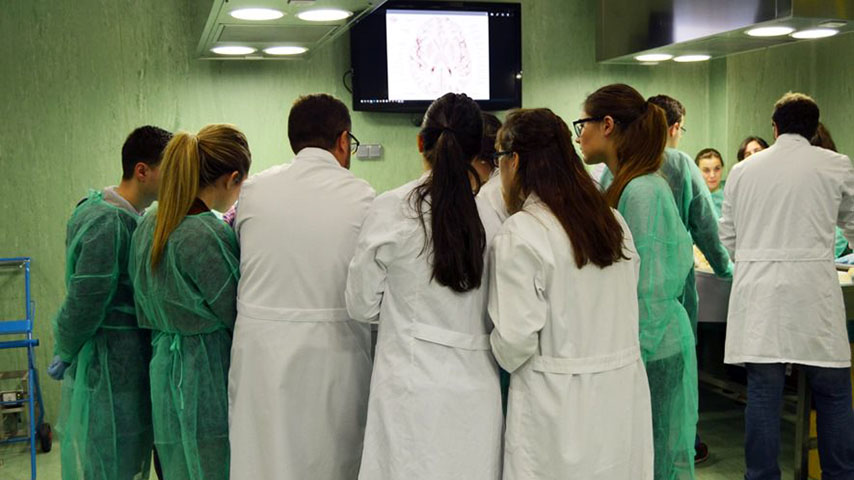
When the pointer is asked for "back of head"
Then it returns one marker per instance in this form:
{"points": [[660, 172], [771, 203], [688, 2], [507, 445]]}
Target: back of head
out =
{"points": [[708, 153], [550, 168], [190, 163], [674, 111], [796, 113], [451, 137], [143, 145], [742, 149], [317, 121], [823, 139], [640, 133], [491, 124]]}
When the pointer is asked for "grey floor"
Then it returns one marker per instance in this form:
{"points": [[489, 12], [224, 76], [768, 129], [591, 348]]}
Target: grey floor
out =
{"points": [[721, 426]]}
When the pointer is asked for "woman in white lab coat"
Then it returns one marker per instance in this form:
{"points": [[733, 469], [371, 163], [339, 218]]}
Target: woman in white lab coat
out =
{"points": [[434, 410], [563, 297]]}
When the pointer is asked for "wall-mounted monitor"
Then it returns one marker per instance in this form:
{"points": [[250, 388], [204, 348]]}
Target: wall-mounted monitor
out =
{"points": [[408, 53]]}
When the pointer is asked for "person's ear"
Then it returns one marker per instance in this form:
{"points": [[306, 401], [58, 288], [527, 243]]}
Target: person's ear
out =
{"points": [[233, 180], [608, 125], [514, 162], [344, 141], [776, 131], [674, 129], [420, 142], [141, 171]]}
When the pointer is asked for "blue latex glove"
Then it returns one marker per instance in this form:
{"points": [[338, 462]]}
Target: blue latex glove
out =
{"points": [[57, 367], [846, 259]]}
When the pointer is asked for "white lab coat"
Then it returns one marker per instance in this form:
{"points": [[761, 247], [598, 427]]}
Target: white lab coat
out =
{"points": [[300, 367], [492, 192], [778, 218], [579, 406], [435, 403]]}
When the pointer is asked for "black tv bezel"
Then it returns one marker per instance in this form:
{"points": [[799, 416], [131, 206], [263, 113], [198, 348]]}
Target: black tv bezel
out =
{"points": [[420, 106]]}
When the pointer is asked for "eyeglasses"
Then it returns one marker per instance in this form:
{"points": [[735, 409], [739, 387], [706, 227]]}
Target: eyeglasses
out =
{"points": [[354, 143], [684, 130], [578, 125], [497, 155]]}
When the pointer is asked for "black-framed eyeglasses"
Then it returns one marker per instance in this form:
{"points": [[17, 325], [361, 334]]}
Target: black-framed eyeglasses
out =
{"points": [[684, 130], [354, 143], [497, 155], [578, 125]]}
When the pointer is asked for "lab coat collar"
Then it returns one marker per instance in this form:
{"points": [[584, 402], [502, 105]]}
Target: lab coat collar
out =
{"points": [[313, 154], [792, 138], [533, 199]]}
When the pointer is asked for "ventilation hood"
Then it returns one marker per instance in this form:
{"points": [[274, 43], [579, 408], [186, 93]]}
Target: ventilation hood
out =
{"points": [[717, 28], [222, 29]]}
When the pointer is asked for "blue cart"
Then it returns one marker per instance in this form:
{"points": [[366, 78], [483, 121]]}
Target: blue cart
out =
{"points": [[29, 397]]}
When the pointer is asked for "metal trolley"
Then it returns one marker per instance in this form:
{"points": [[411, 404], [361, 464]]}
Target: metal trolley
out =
{"points": [[26, 394]]}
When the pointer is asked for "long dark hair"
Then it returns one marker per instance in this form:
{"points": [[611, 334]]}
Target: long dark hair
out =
{"points": [[451, 136], [823, 139], [550, 167], [641, 133]]}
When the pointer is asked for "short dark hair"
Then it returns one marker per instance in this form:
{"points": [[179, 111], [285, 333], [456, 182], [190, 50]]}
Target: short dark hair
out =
{"points": [[317, 121], [673, 109], [143, 145], [796, 113], [491, 124], [708, 153]]}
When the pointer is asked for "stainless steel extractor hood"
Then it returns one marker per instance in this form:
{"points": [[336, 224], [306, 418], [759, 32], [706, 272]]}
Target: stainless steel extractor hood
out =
{"points": [[629, 28]]}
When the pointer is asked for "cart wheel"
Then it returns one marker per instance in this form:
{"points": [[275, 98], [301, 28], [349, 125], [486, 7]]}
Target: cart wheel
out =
{"points": [[45, 436]]}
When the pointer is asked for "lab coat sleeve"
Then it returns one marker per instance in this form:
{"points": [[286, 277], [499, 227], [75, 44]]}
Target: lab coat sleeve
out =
{"points": [[703, 225], [845, 220], [726, 225], [517, 303], [368, 272], [92, 284]]}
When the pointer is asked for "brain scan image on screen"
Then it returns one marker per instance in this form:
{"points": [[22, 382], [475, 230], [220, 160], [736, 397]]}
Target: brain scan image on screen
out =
{"points": [[430, 54]]}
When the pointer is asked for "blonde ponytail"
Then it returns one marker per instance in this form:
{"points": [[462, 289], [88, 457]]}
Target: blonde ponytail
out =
{"points": [[190, 163], [179, 185]]}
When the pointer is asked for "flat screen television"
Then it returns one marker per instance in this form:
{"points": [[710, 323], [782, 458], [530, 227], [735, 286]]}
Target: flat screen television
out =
{"points": [[408, 53]]}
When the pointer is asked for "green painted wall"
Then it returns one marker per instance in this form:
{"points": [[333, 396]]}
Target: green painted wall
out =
{"points": [[76, 77]]}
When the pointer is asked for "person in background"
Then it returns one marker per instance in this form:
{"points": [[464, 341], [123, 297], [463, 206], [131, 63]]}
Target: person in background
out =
{"points": [[420, 270], [184, 266], [786, 305], [749, 146], [629, 134], [564, 299], [301, 366], [101, 354], [711, 165], [823, 139], [484, 162], [491, 190], [696, 210]]}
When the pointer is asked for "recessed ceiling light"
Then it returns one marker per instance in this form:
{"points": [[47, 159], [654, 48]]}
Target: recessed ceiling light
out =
{"points": [[654, 57], [233, 50], [691, 58], [256, 14], [324, 15], [815, 33], [770, 31], [833, 24], [285, 50]]}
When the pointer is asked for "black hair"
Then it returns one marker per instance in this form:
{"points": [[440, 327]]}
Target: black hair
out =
{"points": [[673, 109], [317, 121], [796, 113], [451, 136], [491, 124], [143, 145]]}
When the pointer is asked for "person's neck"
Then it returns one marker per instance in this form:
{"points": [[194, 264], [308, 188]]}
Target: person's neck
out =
{"points": [[672, 143], [611, 163], [208, 196], [129, 190]]}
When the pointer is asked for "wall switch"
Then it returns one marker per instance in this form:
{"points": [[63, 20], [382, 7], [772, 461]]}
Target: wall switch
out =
{"points": [[369, 151]]}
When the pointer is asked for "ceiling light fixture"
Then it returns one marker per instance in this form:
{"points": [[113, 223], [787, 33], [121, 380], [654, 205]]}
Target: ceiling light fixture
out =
{"points": [[770, 31], [691, 58], [233, 50], [285, 50], [324, 15], [815, 33], [256, 14], [654, 57]]}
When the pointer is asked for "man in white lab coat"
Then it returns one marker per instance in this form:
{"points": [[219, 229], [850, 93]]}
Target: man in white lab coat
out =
{"points": [[300, 368], [778, 219]]}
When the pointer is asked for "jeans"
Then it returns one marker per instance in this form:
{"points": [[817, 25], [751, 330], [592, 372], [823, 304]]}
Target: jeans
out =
{"points": [[831, 393]]}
